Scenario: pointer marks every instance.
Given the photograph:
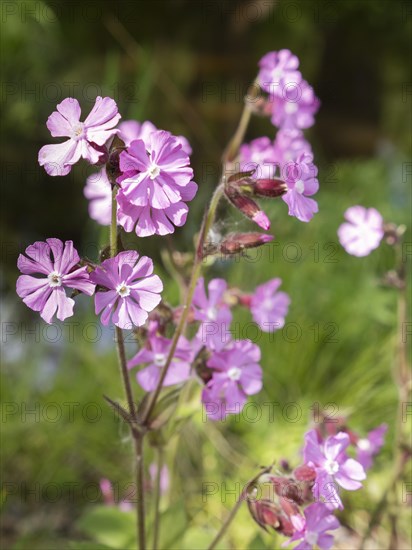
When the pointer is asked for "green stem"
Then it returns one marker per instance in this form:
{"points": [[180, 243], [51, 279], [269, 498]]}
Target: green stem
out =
{"points": [[197, 268], [137, 436], [236, 507], [156, 524]]}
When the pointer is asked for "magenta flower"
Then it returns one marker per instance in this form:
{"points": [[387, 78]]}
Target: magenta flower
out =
{"points": [[59, 264], [214, 314], [368, 447], [99, 192], [296, 108], [236, 374], [332, 466], [363, 231], [312, 529], [155, 171], [302, 183], [278, 70], [258, 155], [155, 355], [268, 306], [85, 138], [132, 290]]}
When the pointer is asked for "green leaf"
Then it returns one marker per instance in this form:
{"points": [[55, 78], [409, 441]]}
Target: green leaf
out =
{"points": [[109, 526]]}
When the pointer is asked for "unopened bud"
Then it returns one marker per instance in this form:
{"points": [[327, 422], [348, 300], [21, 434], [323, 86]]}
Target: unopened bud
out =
{"points": [[237, 242], [248, 207], [304, 473], [270, 188]]}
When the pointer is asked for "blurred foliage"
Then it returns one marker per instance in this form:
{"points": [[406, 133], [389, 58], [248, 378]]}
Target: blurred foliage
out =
{"points": [[185, 65]]}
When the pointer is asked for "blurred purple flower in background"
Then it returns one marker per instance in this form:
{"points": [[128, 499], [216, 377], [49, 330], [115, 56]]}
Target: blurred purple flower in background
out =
{"points": [[362, 232]]}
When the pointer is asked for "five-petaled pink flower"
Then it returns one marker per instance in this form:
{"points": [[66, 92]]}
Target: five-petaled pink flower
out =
{"points": [[155, 354], [59, 264], [363, 231], [132, 290], [296, 108], [155, 185], [269, 306], [236, 373], [85, 138], [312, 529], [332, 465], [302, 182]]}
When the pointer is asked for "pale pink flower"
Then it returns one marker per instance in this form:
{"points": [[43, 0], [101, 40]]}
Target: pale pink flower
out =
{"points": [[85, 138], [362, 232]]}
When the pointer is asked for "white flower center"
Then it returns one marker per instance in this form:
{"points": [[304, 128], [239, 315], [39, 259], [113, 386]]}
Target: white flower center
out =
{"points": [[153, 171], [290, 108], [299, 186], [234, 373], [311, 538], [159, 359], [212, 313], [332, 467], [277, 73], [123, 290], [55, 279], [364, 444], [78, 130]]}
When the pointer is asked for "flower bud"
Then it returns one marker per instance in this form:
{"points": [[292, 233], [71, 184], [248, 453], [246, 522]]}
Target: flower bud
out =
{"points": [[237, 242], [304, 473], [270, 188], [248, 207]]}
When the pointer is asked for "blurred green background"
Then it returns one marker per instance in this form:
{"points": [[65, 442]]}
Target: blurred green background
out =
{"points": [[185, 65]]}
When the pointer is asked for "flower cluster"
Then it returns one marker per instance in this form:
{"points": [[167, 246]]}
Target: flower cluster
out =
{"points": [[228, 369], [292, 105], [301, 504]]}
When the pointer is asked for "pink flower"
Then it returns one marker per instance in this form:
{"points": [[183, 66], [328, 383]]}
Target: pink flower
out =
{"points": [[288, 146], [132, 290], [268, 306], [368, 447], [312, 529], [155, 185], [236, 374], [302, 183], [214, 314], [85, 138], [363, 232], [99, 192], [258, 155], [332, 466], [59, 264], [155, 355], [296, 108], [130, 130], [278, 70], [147, 221], [155, 171]]}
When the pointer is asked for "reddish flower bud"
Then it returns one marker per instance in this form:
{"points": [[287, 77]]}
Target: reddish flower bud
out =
{"points": [[248, 207], [270, 188], [305, 473], [236, 242], [267, 514]]}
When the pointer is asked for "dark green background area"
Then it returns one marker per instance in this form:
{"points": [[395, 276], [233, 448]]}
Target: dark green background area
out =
{"points": [[185, 65]]}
